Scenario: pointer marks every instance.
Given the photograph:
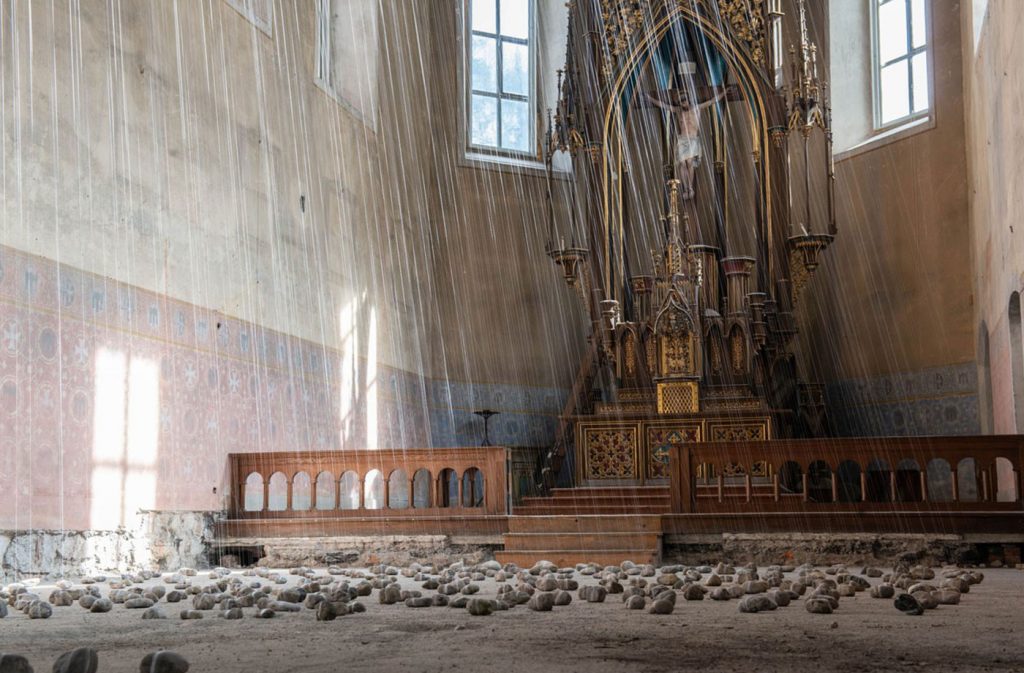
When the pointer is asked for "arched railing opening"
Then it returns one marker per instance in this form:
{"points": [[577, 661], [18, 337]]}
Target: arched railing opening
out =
{"points": [[277, 492], [373, 490], [253, 496], [848, 476], [349, 491], [908, 481], [398, 490], [939, 477], [302, 492], [473, 488], [878, 481], [326, 495], [421, 489], [819, 482]]}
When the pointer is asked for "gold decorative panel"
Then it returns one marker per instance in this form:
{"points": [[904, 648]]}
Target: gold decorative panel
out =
{"points": [[610, 453], [739, 432], [659, 446], [678, 397]]}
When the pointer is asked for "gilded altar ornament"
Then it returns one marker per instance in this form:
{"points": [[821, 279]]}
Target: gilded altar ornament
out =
{"points": [[737, 351], [629, 355], [808, 112], [746, 20]]}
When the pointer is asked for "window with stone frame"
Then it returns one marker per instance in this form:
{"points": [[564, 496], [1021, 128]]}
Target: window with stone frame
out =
{"points": [[902, 82], [500, 79]]}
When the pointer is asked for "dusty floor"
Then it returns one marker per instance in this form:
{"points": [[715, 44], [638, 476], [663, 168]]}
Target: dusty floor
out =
{"points": [[983, 633]]}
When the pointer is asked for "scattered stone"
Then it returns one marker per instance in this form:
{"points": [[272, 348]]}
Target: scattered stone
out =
{"points": [[138, 603], [191, 614], [693, 592], [636, 603], [163, 662], [757, 603], [542, 602], [818, 606], [720, 594], [563, 598], [82, 660], [883, 591], [593, 594], [419, 602], [154, 613], [662, 606], [481, 607], [908, 605], [101, 605], [39, 610], [14, 663], [947, 597]]}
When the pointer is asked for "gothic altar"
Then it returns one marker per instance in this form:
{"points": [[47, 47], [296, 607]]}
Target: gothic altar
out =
{"points": [[702, 198]]}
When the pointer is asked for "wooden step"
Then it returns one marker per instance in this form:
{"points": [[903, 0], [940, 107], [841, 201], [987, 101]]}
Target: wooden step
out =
{"points": [[598, 500], [593, 540], [569, 557], [573, 509], [630, 523], [610, 491]]}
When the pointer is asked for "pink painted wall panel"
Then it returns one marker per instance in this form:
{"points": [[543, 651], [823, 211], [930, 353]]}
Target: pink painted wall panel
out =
{"points": [[114, 398]]}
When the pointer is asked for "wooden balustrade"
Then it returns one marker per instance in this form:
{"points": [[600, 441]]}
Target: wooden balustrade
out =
{"points": [[891, 474], [368, 483]]}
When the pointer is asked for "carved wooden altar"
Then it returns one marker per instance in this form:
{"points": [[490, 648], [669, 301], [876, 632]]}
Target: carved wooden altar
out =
{"points": [[699, 130]]}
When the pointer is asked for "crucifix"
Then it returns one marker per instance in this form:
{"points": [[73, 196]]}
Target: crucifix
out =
{"points": [[681, 104]]}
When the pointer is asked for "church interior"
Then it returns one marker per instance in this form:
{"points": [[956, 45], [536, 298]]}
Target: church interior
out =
{"points": [[593, 327]]}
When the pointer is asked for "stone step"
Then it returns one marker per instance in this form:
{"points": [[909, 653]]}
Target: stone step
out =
{"points": [[580, 540], [629, 523], [570, 557]]}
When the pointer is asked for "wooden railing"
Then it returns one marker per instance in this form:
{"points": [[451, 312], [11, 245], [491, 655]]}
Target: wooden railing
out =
{"points": [[368, 483], [854, 475]]}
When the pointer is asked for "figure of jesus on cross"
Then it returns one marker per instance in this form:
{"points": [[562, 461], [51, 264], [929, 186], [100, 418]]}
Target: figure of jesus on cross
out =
{"points": [[687, 148]]}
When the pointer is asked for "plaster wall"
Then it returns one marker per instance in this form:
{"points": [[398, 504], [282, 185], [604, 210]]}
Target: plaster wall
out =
{"points": [[505, 316], [993, 53], [203, 251], [884, 317]]}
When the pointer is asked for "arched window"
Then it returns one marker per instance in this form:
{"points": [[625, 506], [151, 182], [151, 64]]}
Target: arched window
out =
{"points": [[398, 490], [325, 491], [1006, 481], [908, 481], [253, 497], [421, 489], [373, 490], [349, 496], [848, 486], [791, 478], [819, 482], [967, 480], [940, 481], [302, 492], [277, 493], [449, 487], [878, 481], [1017, 361], [473, 488]]}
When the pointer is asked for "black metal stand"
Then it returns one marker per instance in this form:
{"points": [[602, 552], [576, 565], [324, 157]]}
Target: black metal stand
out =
{"points": [[486, 415]]}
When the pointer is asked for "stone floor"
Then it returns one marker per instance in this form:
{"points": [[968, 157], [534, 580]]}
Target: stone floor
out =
{"points": [[983, 633]]}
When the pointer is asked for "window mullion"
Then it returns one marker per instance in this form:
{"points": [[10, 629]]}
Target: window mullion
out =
{"points": [[910, 59], [501, 91]]}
